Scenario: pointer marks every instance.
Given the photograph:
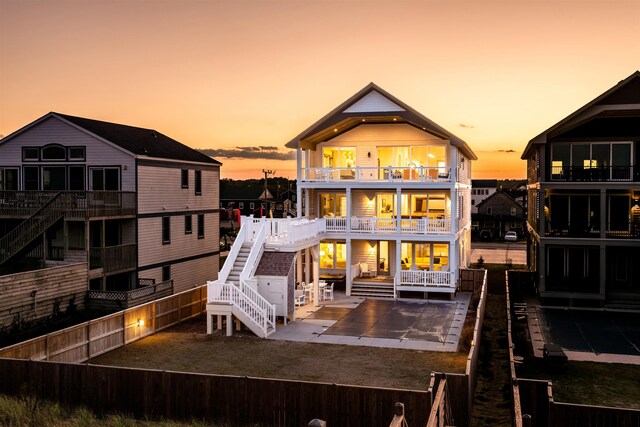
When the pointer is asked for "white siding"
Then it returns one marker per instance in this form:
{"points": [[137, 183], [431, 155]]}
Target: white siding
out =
{"points": [[189, 274], [160, 189], [373, 102], [360, 252], [55, 131], [361, 206], [152, 251]]}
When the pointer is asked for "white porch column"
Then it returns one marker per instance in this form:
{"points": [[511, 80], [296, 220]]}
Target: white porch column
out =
{"points": [[398, 258], [307, 266], [454, 254], [315, 251], [398, 211], [453, 164], [348, 279], [307, 203], [348, 210], [455, 221], [299, 266], [298, 188]]}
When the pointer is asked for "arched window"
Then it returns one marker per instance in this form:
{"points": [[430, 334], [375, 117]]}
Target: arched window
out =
{"points": [[54, 152]]}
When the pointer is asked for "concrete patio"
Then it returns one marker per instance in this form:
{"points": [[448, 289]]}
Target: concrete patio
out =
{"points": [[429, 325]]}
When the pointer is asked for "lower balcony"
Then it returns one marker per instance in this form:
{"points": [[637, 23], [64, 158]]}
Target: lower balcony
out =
{"points": [[389, 174], [126, 299], [425, 281], [113, 258]]}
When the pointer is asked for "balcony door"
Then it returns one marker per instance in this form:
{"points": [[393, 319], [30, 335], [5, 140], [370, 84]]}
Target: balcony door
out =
{"points": [[105, 179]]}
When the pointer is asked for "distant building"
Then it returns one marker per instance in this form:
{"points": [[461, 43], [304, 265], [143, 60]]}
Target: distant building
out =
{"points": [[135, 207], [499, 213], [480, 190], [584, 201]]}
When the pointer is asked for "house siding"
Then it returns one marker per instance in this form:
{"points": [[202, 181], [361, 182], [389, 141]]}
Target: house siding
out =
{"points": [[189, 274], [56, 131]]}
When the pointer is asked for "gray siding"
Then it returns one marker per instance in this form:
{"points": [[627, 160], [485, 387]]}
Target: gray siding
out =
{"points": [[189, 274], [160, 190], [55, 131]]}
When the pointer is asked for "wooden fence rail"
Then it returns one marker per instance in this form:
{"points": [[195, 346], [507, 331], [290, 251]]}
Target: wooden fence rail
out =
{"points": [[186, 396], [81, 342]]}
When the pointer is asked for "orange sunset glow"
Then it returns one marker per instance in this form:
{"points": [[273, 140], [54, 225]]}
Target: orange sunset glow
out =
{"points": [[230, 75]]}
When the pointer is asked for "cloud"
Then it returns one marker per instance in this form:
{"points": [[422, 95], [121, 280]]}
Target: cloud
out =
{"points": [[262, 152], [466, 126], [506, 151]]}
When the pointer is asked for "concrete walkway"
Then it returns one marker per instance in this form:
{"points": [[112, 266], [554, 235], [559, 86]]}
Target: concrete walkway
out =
{"points": [[430, 325]]}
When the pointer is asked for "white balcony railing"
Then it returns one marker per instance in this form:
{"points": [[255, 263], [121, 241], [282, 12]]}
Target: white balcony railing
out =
{"points": [[388, 225], [389, 173], [285, 230], [425, 278]]}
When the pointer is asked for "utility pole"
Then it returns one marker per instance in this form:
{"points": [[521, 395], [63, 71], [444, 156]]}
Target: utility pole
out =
{"points": [[266, 173]]}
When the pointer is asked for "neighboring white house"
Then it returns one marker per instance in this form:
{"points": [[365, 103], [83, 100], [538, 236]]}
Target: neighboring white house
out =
{"points": [[480, 190], [139, 208], [384, 205]]}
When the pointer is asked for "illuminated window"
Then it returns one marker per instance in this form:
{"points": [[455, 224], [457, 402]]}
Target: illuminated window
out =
{"points": [[339, 157], [333, 255], [333, 205]]}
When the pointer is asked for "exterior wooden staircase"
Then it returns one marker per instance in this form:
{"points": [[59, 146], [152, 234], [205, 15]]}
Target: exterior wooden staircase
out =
{"points": [[232, 295], [372, 289], [33, 227]]}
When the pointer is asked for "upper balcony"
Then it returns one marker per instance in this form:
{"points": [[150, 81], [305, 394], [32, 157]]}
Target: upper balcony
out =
{"points": [[75, 204], [387, 225], [595, 174], [391, 174]]}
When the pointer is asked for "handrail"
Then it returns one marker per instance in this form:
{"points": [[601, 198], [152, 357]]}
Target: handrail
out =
{"points": [[426, 278], [260, 301], [227, 292], [257, 248], [30, 228], [389, 225], [233, 253]]}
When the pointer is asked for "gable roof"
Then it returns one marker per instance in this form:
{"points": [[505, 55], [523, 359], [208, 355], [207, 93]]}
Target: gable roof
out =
{"points": [[372, 104], [135, 140], [501, 194], [621, 100]]}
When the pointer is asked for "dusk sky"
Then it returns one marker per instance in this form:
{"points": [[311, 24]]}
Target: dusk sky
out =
{"points": [[227, 75]]}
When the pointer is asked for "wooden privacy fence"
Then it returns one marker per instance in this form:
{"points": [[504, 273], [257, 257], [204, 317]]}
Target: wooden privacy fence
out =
{"points": [[534, 398], [471, 279], [186, 396], [81, 342]]}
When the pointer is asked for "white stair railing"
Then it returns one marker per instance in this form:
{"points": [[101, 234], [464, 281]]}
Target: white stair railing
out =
{"points": [[257, 248], [263, 317], [233, 253], [269, 310]]}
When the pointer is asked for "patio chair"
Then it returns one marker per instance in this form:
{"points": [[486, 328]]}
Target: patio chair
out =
{"points": [[299, 298], [308, 290], [364, 270], [328, 292]]}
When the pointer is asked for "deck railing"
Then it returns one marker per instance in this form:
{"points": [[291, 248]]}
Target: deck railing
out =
{"points": [[389, 173], [113, 258], [389, 225], [623, 230], [425, 278], [134, 296], [592, 174], [284, 230]]}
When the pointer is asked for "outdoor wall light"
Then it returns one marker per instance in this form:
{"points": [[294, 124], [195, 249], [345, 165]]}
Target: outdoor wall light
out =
{"points": [[369, 154], [140, 322]]}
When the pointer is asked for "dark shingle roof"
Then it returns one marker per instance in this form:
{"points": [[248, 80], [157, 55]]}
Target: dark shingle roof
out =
{"points": [[275, 264], [146, 142], [484, 183]]}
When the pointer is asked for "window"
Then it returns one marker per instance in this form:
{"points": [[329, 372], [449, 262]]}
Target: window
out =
{"points": [[31, 176], [76, 178], [333, 255], [489, 211], [200, 226], [30, 154], [8, 179], [473, 202], [252, 206], [76, 153], [54, 178], [333, 205], [513, 211], [198, 183], [166, 273], [105, 179], [54, 152], [166, 230], [188, 229], [184, 178]]}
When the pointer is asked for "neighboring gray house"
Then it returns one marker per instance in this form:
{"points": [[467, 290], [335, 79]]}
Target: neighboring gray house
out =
{"points": [[584, 202], [499, 213], [139, 208], [480, 190]]}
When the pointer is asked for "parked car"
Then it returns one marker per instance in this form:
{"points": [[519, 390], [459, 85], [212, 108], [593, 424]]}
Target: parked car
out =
{"points": [[486, 235], [511, 236]]}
